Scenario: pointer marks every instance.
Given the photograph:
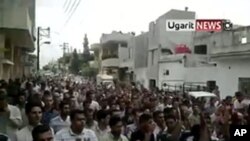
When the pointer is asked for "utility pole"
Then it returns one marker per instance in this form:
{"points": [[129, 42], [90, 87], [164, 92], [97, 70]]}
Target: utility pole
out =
{"points": [[65, 46], [41, 32]]}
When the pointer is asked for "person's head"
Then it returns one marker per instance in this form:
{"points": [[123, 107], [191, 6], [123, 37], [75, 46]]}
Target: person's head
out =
{"points": [[136, 115], [21, 97], [122, 105], [34, 112], [228, 100], [170, 122], [159, 118], [3, 99], [196, 109], [116, 124], [89, 96], [146, 122], [86, 104], [42, 133], [48, 99], [103, 117], [239, 96], [64, 108], [176, 103], [78, 119], [43, 85]]}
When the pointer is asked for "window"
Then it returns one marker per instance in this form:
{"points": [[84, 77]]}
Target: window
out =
{"points": [[244, 85], [200, 49], [166, 72], [166, 51]]}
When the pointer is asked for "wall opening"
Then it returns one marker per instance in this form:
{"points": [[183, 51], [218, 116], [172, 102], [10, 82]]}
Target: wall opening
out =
{"points": [[200, 49]]}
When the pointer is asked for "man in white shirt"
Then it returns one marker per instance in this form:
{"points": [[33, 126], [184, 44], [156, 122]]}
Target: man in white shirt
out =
{"points": [[93, 104], [240, 103], [115, 134], [63, 120], [102, 128], [10, 117], [77, 130], [34, 114]]}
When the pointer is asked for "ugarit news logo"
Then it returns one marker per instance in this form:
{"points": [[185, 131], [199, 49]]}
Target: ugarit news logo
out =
{"points": [[207, 25]]}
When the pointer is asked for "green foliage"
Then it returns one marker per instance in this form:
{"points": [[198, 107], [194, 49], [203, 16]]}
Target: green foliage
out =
{"points": [[75, 63], [88, 71], [46, 68]]}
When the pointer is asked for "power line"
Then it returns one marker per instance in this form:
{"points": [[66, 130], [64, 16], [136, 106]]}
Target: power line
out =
{"points": [[65, 3], [72, 8], [67, 7], [77, 5]]}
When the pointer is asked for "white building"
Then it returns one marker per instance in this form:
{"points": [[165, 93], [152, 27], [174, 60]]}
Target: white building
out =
{"points": [[115, 54], [223, 59], [160, 40]]}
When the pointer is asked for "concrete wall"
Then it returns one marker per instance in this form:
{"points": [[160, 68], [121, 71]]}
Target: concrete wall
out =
{"points": [[160, 38], [18, 14], [141, 51], [122, 53], [226, 74], [176, 73], [141, 77]]}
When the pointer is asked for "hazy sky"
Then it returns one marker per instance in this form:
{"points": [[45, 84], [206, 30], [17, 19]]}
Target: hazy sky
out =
{"points": [[95, 17]]}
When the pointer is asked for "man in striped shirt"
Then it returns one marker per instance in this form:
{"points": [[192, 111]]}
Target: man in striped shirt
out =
{"points": [[77, 130]]}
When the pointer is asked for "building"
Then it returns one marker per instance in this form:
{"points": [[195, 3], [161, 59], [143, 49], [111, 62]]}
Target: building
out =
{"points": [[230, 51], [17, 30], [114, 53], [140, 61], [96, 63], [161, 41]]}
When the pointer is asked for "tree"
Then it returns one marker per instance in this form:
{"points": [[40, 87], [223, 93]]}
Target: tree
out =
{"points": [[75, 63], [46, 68], [88, 71], [86, 53]]}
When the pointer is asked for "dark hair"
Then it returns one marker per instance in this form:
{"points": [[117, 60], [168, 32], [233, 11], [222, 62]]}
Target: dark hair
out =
{"points": [[101, 114], [170, 116], [22, 92], [114, 120], [89, 93], [144, 118], [237, 94], [47, 94], [73, 113], [30, 105], [167, 110], [39, 130], [62, 104], [157, 113]]}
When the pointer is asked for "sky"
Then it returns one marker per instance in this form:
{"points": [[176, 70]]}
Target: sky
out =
{"points": [[94, 17]]}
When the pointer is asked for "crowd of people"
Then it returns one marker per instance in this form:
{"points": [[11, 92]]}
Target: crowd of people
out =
{"points": [[59, 109]]}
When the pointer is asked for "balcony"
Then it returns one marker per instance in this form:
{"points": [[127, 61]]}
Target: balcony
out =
{"points": [[231, 51], [111, 62], [230, 43], [17, 24]]}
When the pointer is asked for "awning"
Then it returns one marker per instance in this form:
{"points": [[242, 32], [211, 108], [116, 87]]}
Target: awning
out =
{"points": [[7, 61]]}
